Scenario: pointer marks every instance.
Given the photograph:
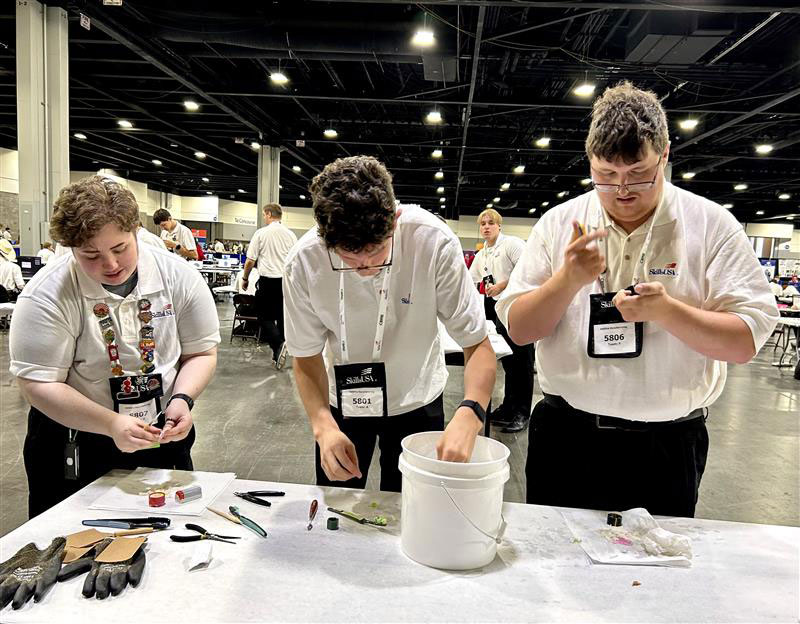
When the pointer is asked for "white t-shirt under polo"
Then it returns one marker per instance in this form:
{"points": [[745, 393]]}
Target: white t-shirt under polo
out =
{"points": [[181, 235], [429, 280], [56, 337], [701, 255], [269, 247], [498, 260]]}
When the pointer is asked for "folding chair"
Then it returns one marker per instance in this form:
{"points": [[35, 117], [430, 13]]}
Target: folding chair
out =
{"points": [[245, 312]]}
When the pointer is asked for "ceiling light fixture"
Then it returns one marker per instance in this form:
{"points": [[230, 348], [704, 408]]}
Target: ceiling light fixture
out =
{"points": [[688, 175], [519, 169], [124, 123], [255, 145], [584, 90], [440, 189], [241, 190], [763, 148], [156, 162], [330, 133], [543, 142], [441, 200], [784, 196], [302, 196], [545, 204], [205, 179], [80, 135], [727, 206], [740, 187], [295, 168], [489, 205], [688, 123], [496, 200], [586, 181], [278, 78], [505, 186], [562, 194], [759, 212], [433, 117], [423, 38], [437, 153], [209, 193], [200, 155], [532, 210], [191, 105], [439, 174]]}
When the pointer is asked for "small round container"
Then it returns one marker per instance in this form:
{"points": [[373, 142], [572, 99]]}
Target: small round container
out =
{"points": [[157, 499], [333, 524], [187, 495]]}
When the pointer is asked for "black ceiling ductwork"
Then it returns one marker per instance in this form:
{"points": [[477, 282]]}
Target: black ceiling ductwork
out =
{"points": [[676, 38]]}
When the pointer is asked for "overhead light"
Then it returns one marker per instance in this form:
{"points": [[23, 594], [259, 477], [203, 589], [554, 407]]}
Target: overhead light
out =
{"points": [[763, 148], [439, 175], [440, 189], [191, 105], [740, 187], [295, 168], [584, 90], [330, 133], [727, 206], [505, 186], [586, 181], [437, 153], [302, 196], [434, 117], [784, 196], [532, 210], [688, 175], [423, 38], [156, 162], [490, 205], [543, 142], [278, 78], [442, 206], [759, 212], [519, 169], [124, 123], [200, 155], [545, 204], [562, 194], [255, 145], [209, 193], [241, 190], [688, 123], [205, 179], [441, 200], [280, 186], [80, 135], [496, 200]]}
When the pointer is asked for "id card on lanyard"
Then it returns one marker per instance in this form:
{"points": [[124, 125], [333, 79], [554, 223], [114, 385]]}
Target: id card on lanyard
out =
{"points": [[610, 335], [361, 387]]}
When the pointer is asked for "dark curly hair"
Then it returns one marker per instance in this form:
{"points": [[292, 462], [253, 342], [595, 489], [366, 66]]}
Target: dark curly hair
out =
{"points": [[354, 203], [82, 209]]}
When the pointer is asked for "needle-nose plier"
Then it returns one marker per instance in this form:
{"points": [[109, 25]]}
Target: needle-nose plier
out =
{"points": [[203, 535]]}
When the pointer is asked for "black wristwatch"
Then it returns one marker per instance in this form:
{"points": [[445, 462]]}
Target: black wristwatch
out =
{"points": [[185, 397], [475, 407], [178, 247]]}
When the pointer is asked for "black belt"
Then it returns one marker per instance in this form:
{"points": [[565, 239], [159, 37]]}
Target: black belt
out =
{"points": [[610, 422]]}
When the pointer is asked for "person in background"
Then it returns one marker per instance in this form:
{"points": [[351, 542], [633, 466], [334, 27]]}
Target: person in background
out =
{"points": [[176, 236], [629, 291], [10, 273], [790, 289], [46, 253], [104, 344], [492, 267], [219, 247], [7, 235], [367, 286], [146, 237], [268, 248], [775, 286]]}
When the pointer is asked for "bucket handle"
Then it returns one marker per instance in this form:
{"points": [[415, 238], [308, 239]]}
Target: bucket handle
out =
{"points": [[503, 524]]}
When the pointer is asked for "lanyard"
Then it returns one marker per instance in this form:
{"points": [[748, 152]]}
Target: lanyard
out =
{"points": [[382, 307], [600, 218], [147, 345]]}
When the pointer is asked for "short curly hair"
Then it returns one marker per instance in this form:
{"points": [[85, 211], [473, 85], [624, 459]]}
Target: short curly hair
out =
{"points": [[354, 203], [625, 120], [82, 209]]}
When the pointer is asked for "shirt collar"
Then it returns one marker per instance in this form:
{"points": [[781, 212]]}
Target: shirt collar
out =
{"points": [[150, 280]]}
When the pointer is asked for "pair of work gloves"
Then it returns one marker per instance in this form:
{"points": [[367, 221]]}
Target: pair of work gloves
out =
{"points": [[32, 572]]}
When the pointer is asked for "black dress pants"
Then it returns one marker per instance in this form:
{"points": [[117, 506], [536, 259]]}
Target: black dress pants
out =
{"points": [[389, 432], [44, 460], [518, 368], [269, 299], [578, 460]]}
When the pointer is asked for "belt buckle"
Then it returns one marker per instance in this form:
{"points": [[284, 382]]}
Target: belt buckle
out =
{"points": [[599, 426]]}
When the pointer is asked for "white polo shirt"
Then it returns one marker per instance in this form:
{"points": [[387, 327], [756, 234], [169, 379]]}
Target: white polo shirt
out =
{"points": [[46, 255], [269, 247], [789, 291], [701, 255], [11, 275], [429, 280], [55, 335], [146, 237], [181, 235], [498, 260]]}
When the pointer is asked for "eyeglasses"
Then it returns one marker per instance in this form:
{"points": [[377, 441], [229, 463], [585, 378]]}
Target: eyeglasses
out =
{"points": [[635, 187], [363, 268]]}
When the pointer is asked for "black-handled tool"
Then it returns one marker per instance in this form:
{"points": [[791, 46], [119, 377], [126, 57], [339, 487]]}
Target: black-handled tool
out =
{"points": [[203, 535], [266, 493], [156, 522], [253, 498]]}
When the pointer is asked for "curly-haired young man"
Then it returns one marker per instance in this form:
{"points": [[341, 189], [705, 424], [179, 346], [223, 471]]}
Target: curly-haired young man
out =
{"points": [[367, 286]]}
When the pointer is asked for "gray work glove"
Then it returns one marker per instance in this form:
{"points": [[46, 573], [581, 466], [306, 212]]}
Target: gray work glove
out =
{"points": [[30, 572], [114, 576], [84, 563]]}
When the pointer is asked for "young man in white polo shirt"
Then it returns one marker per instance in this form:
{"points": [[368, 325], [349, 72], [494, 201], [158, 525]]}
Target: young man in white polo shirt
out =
{"points": [[366, 286], [103, 340], [268, 248], [176, 236], [638, 293], [492, 267]]}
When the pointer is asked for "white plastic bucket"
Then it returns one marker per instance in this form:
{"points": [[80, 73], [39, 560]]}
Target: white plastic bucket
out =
{"points": [[452, 512]]}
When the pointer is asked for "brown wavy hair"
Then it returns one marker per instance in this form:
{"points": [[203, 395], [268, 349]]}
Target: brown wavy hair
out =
{"points": [[85, 207], [354, 203]]}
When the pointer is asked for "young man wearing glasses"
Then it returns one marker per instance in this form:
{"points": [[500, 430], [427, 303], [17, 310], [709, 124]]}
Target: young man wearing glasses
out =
{"points": [[366, 286], [638, 293]]}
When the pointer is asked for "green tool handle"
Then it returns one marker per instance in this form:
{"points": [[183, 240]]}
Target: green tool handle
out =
{"points": [[348, 514]]}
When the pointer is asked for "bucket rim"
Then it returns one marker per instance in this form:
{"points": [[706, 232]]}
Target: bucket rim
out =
{"points": [[405, 449], [503, 473]]}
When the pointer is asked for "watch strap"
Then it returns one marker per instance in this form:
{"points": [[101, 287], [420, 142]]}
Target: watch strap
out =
{"points": [[185, 397], [475, 407]]}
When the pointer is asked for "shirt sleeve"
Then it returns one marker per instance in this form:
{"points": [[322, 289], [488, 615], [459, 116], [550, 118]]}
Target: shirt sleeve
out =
{"points": [[305, 334], [253, 247], [514, 250], [742, 291], [18, 277], [474, 270], [196, 314], [41, 341], [532, 270], [187, 239], [458, 303]]}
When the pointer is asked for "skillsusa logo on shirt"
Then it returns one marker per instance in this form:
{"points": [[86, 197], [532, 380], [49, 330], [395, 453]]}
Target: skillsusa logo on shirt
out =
{"points": [[670, 270], [167, 311]]}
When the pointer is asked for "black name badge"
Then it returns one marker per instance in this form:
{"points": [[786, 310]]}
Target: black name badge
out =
{"points": [[361, 389], [611, 336]]}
